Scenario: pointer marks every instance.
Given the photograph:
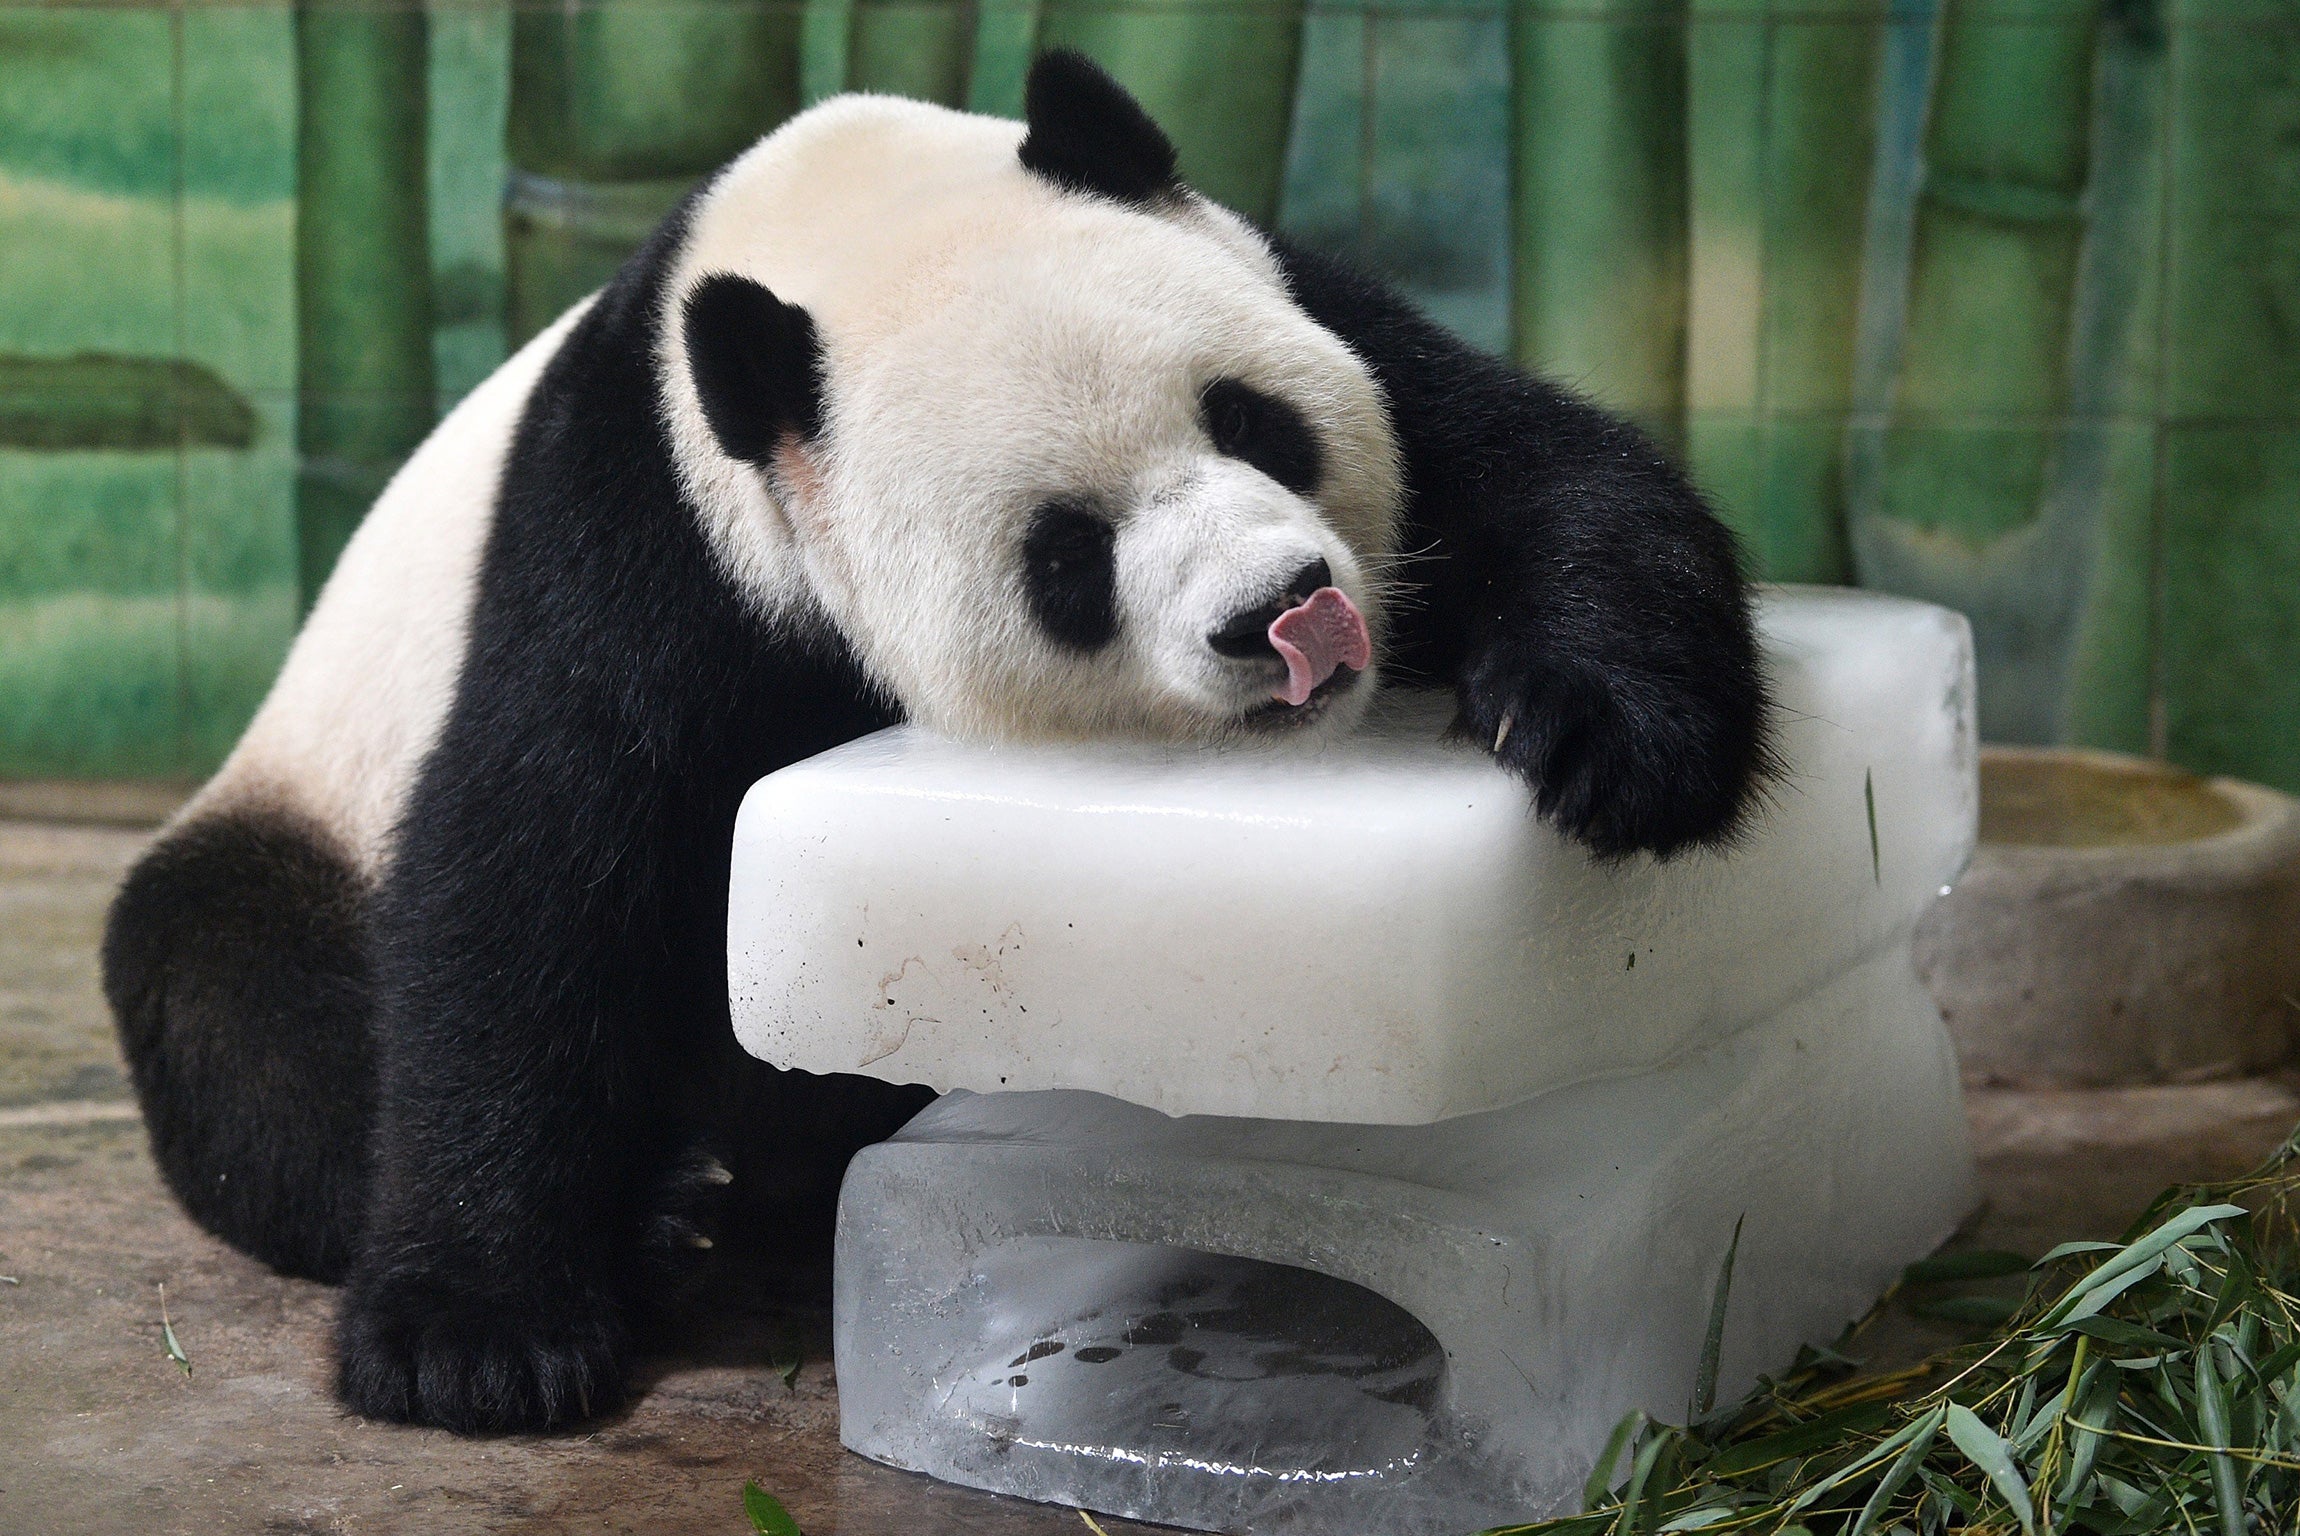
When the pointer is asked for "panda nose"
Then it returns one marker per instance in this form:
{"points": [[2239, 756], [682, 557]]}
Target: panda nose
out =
{"points": [[1246, 636]]}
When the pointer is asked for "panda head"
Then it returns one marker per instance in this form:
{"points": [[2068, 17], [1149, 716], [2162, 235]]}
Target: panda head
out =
{"points": [[1035, 427]]}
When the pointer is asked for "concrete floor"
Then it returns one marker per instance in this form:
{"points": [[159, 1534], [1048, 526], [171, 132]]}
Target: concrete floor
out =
{"points": [[100, 1432]]}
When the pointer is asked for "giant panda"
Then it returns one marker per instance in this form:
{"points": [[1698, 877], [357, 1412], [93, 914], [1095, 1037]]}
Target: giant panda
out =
{"points": [[904, 414]]}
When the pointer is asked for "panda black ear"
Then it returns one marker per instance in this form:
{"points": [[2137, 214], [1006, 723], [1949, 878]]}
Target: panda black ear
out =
{"points": [[758, 366], [1087, 135]]}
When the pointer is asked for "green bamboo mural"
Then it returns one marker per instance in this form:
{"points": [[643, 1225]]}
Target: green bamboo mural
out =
{"points": [[1983, 361], [617, 108], [1003, 36], [363, 266], [470, 86], [2231, 476], [1782, 121], [1599, 199], [918, 48], [1726, 55], [1985, 301], [2092, 572], [2012, 482], [1218, 74]]}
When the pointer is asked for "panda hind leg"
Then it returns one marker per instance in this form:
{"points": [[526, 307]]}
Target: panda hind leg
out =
{"points": [[235, 964]]}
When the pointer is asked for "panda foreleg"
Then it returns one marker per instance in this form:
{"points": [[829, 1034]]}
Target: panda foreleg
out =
{"points": [[1566, 580], [540, 1000]]}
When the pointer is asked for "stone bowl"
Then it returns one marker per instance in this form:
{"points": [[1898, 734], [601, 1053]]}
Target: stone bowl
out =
{"points": [[2122, 922]]}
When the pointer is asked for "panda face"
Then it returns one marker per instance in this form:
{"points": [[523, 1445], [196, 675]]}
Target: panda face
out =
{"points": [[1072, 458]]}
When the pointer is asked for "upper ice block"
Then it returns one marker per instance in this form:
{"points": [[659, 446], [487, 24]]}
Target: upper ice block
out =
{"points": [[1377, 930]]}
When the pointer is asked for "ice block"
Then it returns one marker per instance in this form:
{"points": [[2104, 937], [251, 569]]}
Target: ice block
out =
{"points": [[1348, 1151], [1378, 931]]}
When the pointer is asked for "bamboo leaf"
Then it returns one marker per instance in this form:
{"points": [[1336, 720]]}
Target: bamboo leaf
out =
{"points": [[2107, 1291], [2022, 1410], [1600, 1483], [168, 1341], [1713, 1341], [1981, 1264], [1869, 794], [1571, 1525], [1985, 1450], [2119, 1334], [1697, 1519], [2236, 1288], [2212, 1417], [1827, 1429], [768, 1517], [1633, 1497], [1875, 1454], [2136, 1254], [1903, 1468], [2033, 1427], [1974, 1311], [2096, 1404], [2070, 1250]]}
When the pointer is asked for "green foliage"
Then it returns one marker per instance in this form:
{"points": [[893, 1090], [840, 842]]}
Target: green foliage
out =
{"points": [[2141, 1387], [768, 1517]]}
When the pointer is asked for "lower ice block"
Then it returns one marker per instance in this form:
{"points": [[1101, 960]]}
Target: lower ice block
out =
{"points": [[1354, 1152]]}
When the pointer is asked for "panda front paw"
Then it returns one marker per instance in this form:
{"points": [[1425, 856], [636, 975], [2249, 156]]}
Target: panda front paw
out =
{"points": [[681, 1229], [1622, 759], [418, 1350]]}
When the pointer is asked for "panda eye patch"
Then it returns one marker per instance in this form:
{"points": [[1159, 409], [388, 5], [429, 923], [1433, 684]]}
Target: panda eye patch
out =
{"points": [[1070, 573], [1263, 431]]}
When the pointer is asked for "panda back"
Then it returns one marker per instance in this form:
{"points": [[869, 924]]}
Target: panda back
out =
{"points": [[369, 680]]}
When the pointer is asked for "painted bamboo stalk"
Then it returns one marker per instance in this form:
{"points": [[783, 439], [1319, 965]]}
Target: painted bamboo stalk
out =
{"points": [[1218, 75], [363, 267], [1598, 175], [2231, 608], [1726, 54], [2099, 517], [616, 109], [2057, 585], [919, 48], [1983, 359], [1819, 144], [470, 83], [1004, 34]]}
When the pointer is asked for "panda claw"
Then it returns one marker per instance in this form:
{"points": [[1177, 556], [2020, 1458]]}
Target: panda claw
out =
{"points": [[1501, 735], [714, 1172]]}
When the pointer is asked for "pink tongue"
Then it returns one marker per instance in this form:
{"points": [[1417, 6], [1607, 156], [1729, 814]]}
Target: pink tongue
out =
{"points": [[1317, 636]]}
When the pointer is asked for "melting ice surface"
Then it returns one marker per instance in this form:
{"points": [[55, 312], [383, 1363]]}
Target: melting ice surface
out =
{"points": [[1169, 1357], [1349, 1151]]}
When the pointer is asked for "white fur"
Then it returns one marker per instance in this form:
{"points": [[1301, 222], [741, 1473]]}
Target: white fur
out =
{"points": [[368, 682], [992, 343]]}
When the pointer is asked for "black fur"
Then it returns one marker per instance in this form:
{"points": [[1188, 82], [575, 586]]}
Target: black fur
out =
{"points": [[235, 963], [550, 945], [758, 366], [1265, 432], [1070, 575], [1086, 134], [1563, 577], [523, 1085]]}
